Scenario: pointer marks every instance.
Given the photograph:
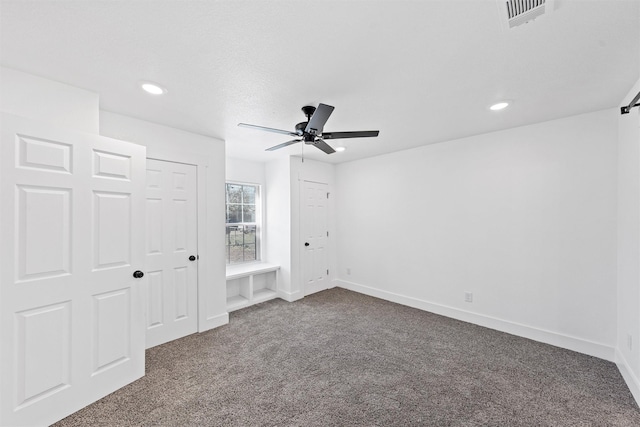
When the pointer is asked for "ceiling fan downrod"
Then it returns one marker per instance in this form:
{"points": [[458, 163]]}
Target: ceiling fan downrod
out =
{"points": [[308, 111]]}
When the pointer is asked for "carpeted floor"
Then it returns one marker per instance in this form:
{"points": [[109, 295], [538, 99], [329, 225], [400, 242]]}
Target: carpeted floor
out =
{"points": [[338, 358]]}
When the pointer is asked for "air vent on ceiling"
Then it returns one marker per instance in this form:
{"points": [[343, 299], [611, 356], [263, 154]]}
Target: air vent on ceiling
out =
{"points": [[522, 11]]}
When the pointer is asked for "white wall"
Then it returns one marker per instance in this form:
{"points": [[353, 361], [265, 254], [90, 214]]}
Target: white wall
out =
{"points": [[525, 219], [208, 154], [245, 171], [629, 244], [33, 97], [277, 228]]}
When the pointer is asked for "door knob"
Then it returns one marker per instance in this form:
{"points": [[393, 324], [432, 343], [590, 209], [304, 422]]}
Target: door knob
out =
{"points": [[138, 274], [306, 243], [192, 258]]}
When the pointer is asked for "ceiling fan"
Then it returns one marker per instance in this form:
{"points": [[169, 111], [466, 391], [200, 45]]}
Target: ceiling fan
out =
{"points": [[311, 131]]}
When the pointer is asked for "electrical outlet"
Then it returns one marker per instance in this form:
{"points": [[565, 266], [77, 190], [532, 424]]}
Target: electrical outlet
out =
{"points": [[629, 342], [468, 296], [348, 271]]}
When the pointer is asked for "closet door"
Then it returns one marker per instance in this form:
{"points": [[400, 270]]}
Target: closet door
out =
{"points": [[71, 239], [171, 251]]}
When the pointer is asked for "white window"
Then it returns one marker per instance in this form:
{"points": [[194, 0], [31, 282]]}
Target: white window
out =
{"points": [[243, 223]]}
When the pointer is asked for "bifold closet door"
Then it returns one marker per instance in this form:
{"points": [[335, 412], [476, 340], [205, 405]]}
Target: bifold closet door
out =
{"points": [[72, 326], [171, 296]]}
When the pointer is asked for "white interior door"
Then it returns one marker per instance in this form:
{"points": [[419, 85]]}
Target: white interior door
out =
{"points": [[172, 266], [72, 328], [315, 233]]}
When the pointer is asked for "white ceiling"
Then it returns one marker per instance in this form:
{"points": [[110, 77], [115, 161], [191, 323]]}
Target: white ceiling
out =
{"points": [[419, 71]]}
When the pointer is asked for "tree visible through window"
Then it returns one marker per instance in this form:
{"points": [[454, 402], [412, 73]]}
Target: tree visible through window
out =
{"points": [[242, 225]]}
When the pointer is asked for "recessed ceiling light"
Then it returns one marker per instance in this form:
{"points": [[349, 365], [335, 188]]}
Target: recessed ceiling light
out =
{"points": [[153, 88], [340, 149], [499, 106]]}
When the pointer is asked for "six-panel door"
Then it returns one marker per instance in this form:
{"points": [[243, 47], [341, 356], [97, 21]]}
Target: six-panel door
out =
{"points": [[72, 320], [171, 239], [314, 232]]}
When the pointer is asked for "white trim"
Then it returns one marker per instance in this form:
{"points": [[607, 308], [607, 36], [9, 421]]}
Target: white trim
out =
{"points": [[215, 321], [629, 377], [568, 342], [290, 296]]}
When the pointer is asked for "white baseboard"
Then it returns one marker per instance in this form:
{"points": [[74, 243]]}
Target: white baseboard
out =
{"points": [[579, 345], [290, 296], [214, 322], [629, 377]]}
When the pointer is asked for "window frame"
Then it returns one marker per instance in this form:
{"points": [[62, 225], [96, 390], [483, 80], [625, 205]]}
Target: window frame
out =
{"points": [[257, 223]]}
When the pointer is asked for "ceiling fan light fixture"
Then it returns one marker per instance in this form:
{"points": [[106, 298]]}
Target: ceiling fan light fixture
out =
{"points": [[499, 106], [153, 88]]}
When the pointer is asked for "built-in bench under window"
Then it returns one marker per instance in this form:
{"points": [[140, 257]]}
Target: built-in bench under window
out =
{"points": [[252, 283]]}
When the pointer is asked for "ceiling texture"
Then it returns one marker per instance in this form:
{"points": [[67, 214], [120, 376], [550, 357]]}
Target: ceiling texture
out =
{"points": [[421, 72]]}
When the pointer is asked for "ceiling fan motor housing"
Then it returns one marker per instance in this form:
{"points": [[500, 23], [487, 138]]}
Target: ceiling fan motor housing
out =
{"points": [[308, 111]]}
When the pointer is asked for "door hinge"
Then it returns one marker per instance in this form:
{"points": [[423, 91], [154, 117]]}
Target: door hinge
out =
{"points": [[327, 272], [327, 195], [327, 234]]}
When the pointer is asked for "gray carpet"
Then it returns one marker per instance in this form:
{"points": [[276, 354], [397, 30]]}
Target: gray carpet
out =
{"points": [[338, 358]]}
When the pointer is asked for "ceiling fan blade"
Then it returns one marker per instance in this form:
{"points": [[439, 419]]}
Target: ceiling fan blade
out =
{"points": [[355, 134], [284, 132], [284, 144], [319, 118], [323, 146]]}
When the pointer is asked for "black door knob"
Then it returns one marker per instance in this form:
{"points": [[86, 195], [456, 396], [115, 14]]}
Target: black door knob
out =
{"points": [[192, 258], [306, 243], [138, 274]]}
